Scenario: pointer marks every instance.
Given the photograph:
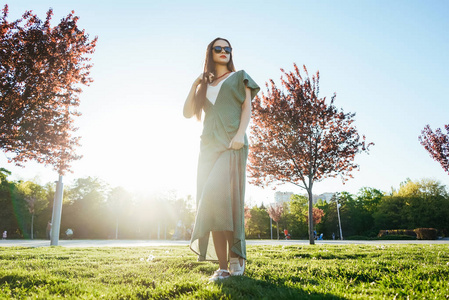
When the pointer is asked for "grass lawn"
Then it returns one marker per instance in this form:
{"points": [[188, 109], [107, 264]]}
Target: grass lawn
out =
{"points": [[273, 272]]}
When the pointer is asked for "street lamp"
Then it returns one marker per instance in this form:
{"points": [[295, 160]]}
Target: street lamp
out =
{"points": [[339, 221]]}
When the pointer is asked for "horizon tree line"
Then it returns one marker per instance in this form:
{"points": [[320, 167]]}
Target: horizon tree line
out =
{"points": [[95, 210]]}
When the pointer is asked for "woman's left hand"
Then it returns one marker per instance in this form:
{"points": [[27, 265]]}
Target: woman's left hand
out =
{"points": [[237, 142]]}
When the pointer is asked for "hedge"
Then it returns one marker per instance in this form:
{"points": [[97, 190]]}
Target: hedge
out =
{"points": [[396, 237], [426, 233], [408, 232]]}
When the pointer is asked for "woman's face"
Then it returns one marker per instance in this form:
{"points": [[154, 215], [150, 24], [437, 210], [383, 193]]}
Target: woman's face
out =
{"points": [[222, 57]]}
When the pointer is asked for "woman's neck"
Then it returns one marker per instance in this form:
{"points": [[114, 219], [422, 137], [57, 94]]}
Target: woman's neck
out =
{"points": [[220, 70]]}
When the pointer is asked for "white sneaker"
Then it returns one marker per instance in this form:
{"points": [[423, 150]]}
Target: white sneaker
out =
{"points": [[220, 274], [235, 268]]}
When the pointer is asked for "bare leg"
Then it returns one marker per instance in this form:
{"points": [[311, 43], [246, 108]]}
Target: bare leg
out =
{"points": [[230, 238], [220, 245]]}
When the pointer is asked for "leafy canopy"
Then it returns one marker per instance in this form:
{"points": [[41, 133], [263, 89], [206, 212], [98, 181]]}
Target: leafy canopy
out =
{"points": [[437, 144], [41, 70], [300, 138]]}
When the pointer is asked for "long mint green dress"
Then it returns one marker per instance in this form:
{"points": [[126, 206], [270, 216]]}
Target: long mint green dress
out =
{"points": [[222, 171]]}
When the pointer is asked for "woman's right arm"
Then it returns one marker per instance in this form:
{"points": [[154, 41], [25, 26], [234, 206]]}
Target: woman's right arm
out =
{"points": [[189, 110]]}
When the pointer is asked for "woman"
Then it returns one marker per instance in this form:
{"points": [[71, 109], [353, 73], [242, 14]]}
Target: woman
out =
{"points": [[225, 97]]}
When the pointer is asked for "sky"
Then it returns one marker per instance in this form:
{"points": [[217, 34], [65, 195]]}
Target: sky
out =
{"points": [[385, 60]]}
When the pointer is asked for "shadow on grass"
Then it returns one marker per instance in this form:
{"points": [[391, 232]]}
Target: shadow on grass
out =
{"points": [[242, 287]]}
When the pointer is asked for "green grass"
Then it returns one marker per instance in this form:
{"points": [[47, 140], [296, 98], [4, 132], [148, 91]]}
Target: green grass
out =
{"points": [[273, 272]]}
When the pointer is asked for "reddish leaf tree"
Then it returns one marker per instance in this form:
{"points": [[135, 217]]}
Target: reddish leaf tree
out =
{"points": [[247, 215], [437, 144], [41, 70], [300, 138], [317, 213], [275, 213]]}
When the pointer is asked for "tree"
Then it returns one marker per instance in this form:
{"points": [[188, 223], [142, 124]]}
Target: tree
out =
{"points": [[390, 213], [299, 138], [437, 144], [41, 70], [184, 216], [35, 196], [298, 206], [424, 188], [259, 223], [317, 215], [329, 221], [369, 198], [117, 200], [426, 204], [355, 211], [275, 213], [247, 215], [298, 210], [85, 209], [366, 204], [8, 220], [14, 213]]}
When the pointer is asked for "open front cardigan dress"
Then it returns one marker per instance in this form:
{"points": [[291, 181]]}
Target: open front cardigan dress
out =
{"points": [[221, 170]]}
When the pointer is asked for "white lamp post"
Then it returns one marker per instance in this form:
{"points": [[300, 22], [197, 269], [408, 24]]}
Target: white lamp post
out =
{"points": [[339, 221]]}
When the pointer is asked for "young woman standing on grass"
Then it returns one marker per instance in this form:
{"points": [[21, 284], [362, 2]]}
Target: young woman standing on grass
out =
{"points": [[225, 97]]}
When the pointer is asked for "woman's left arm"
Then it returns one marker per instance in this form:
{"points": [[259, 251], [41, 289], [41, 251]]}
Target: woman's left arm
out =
{"points": [[239, 139]]}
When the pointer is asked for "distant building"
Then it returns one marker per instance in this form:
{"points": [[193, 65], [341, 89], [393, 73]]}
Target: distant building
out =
{"points": [[325, 196], [281, 197]]}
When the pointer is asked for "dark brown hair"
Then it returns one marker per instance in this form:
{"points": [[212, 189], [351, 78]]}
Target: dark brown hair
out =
{"points": [[208, 77]]}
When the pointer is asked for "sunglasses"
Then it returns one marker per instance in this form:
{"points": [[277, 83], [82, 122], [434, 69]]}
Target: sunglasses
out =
{"points": [[218, 49]]}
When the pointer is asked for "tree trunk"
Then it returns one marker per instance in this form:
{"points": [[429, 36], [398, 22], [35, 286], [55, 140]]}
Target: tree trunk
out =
{"points": [[311, 235], [57, 212], [32, 226], [277, 228], [116, 228]]}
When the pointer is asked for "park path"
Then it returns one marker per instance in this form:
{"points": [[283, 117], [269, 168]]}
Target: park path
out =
{"points": [[148, 243]]}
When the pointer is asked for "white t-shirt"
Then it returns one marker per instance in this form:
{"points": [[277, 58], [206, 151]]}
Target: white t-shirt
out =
{"points": [[212, 91]]}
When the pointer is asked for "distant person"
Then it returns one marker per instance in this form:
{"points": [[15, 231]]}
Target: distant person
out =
{"points": [[179, 231], [225, 97], [333, 236], [188, 233], [48, 230], [69, 233], [5, 235]]}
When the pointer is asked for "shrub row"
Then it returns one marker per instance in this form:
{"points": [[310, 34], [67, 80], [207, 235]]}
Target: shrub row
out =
{"points": [[408, 232], [357, 238], [419, 233], [396, 237], [426, 233]]}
